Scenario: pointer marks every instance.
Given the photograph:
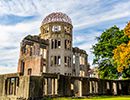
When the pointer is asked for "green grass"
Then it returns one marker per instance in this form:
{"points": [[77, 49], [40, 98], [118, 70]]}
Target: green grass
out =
{"points": [[95, 98]]}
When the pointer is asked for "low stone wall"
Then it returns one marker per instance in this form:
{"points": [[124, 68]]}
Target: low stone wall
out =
{"points": [[14, 87], [17, 87]]}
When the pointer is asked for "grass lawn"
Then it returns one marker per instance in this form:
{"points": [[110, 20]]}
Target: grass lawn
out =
{"points": [[96, 98]]}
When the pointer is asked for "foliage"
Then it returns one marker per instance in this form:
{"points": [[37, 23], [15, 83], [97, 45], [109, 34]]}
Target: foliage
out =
{"points": [[122, 55], [127, 30], [103, 51]]}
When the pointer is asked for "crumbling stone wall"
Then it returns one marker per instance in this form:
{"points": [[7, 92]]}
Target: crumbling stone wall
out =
{"points": [[17, 87], [33, 56], [14, 87], [80, 62]]}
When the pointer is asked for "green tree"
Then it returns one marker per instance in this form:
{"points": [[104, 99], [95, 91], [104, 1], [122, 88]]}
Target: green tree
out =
{"points": [[103, 51], [122, 55]]}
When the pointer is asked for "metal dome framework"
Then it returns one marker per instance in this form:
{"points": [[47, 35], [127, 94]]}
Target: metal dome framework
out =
{"points": [[57, 17]]}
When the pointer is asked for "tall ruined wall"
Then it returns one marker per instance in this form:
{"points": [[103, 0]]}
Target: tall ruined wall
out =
{"points": [[80, 62], [23, 88], [33, 56]]}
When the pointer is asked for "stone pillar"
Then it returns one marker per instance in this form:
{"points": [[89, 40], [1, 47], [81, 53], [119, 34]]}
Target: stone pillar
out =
{"points": [[80, 88], [115, 88], [5, 87], [49, 86], [108, 85], [56, 86], [8, 86], [120, 86], [45, 86], [17, 83], [52, 85], [90, 86]]}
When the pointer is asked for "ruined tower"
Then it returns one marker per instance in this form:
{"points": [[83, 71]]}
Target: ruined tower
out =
{"points": [[57, 29]]}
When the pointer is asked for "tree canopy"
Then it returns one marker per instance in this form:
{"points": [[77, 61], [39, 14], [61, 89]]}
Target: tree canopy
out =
{"points": [[103, 51], [122, 55]]}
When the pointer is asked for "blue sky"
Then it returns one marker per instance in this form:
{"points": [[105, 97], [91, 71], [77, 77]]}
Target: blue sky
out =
{"points": [[90, 18]]}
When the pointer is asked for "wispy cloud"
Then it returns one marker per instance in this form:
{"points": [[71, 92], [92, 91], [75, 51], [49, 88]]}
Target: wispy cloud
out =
{"points": [[19, 18], [10, 38], [14, 19]]}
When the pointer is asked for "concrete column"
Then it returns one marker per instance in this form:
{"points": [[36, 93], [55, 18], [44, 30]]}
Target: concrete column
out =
{"points": [[49, 86], [120, 86], [108, 85], [90, 86], [96, 87], [4, 87], [45, 86], [17, 83], [52, 85], [56, 86], [115, 88], [8, 86], [80, 88]]}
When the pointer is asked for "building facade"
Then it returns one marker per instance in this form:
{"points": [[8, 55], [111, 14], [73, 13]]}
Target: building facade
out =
{"points": [[52, 51]]}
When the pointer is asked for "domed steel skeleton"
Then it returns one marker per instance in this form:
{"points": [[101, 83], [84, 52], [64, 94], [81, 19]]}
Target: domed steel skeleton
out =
{"points": [[57, 17]]}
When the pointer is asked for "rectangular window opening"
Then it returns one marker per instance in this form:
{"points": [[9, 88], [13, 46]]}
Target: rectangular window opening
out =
{"points": [[52, 44], [55, 44], [59, 60], [68, 61], [65, 60], [44, 69], [44, 53], [73, 59], [30, 51], [59, 44], [29, 71], [55, 60], [65, 44]]}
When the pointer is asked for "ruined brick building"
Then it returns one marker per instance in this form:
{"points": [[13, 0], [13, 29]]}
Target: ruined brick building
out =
{"points": [[51, 51], [48, 65]]}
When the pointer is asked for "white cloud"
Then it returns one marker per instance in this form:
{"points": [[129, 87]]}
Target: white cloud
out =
{"points": [[116, 13], [83, 15], [12, 33], [10, 38]]}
